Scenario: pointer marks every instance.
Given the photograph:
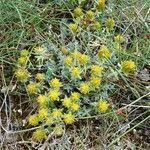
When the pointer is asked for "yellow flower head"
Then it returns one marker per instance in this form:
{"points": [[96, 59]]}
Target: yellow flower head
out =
{"points": [[75, 72], [84, 88], [96, 70], [22, 60], [43, 113], [89, 14], [95, 82], [128, 66], [102, 106], [53, 95], [119, 38], [73, 27], [42, 100], [68, 61], [58, 130], [49, 121], [39, 134], [110, 23], [77, 12], [39, 50], [67, 102], [24, 53], [40, 76], [55, 83], [104, 52], [69, 118], [96, 25], [56, 113], [75, 96], [76, 54], [34, 120], [83, 59], [75, 107], [100, 5], [22, 74], [32, 88]]}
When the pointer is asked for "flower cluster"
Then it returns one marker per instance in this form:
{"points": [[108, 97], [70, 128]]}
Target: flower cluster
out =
{"points": [[102, 106], [89, 19], [61, 95], [70, 103], [128, 66], [100, 5], [21, 72]]}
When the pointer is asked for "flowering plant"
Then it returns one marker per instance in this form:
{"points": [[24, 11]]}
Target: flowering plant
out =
{"points": [[71, 81]]}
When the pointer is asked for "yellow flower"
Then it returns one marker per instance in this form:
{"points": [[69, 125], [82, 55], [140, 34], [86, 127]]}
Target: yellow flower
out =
{"points": [[75, 72], [73, 27], [24, 53], [84, 88], [95, 82], [42, 100], [49, 121], [55, 83], [22, 60], [40, 76], [68, 61], [43, 113], [100, 5], [22, 74], [39, 50], [53, 95], [110, 23], [119, 38], [89, 14], [96, 70], [58, 130], [83, 59], [104, 52], [96, 25], [128, 66], [32, 88], [76, 54], [69, 118], [34, 120], [39, 134], [102, 106], [67, 102], [56, 113], [75, 106], [75, 96], [77, 12]]}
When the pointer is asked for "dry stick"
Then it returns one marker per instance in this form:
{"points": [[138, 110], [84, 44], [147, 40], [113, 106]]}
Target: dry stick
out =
{"points": [[25, 130], [143, 19], [137, 106], [136, 100], [46, 142], [134, 19], [22, 142], [5, 101], [146, 16], [128, 124], [128, 131]]}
